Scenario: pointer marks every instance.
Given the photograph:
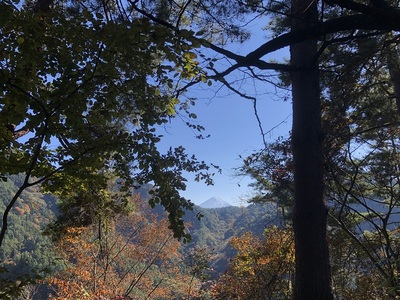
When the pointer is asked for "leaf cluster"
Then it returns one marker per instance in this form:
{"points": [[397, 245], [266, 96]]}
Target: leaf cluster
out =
{"points": [[90, 103]]}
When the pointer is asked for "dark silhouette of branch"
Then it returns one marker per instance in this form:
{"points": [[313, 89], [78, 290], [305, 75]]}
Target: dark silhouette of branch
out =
{"points": [[377, 6], [367, 18], [379, 126], [354, 22], [25, 184], [254, 100], [28, 176], [16, 134], [145, 269], [43, 6]]}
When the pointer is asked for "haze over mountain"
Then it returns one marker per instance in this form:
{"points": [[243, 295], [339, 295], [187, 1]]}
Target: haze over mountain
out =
{"points": [[214, 202]]}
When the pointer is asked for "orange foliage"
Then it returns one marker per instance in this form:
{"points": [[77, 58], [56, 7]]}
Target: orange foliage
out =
{"points": [[19, 211], [262, 269], [136, 257]]}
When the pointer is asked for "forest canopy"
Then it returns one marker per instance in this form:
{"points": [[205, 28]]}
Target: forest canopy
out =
{"points": [[82, 93]]}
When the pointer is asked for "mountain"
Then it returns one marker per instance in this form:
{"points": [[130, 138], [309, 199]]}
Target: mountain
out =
{"points": [[214, 202], [218, 225], [26, 248]]}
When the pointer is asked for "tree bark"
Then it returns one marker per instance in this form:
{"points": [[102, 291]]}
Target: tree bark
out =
{"points": [[393, 64], [312, 277]]}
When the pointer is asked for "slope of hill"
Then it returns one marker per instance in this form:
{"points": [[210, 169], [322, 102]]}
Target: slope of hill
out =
{"points": [[25, 248], [214, 202], [219, 225]]}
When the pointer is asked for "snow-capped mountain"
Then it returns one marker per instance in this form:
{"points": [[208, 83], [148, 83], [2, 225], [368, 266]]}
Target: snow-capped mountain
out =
{"points": [[214, 202]]}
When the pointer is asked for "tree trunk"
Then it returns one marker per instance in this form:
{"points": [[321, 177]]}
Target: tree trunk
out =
{"points": [[393, 64], [312, 278]]}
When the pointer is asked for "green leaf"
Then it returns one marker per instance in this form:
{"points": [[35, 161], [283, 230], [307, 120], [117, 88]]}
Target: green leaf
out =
{"points": [[191, 55], [20, 40], [200, 32]]}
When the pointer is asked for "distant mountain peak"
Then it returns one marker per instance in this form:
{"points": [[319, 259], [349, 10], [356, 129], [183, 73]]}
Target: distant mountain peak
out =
{"points": [[214, 202]]}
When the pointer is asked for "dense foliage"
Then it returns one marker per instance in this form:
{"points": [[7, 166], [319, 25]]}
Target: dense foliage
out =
{"points": [[78, 110], [218, 226], [84, 85], [106, 257], [262, 268], [360, 122], [134, 256], [26, 253]]}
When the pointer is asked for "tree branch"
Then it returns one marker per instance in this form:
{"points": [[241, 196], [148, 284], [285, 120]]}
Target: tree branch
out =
{"points": [[390, 20], [25, 183], [370, 18], [362, 8]]}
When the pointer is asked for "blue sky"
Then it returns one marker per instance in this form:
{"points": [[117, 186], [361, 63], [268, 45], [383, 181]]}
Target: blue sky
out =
{"points": [[231, 123], [233, 128]]}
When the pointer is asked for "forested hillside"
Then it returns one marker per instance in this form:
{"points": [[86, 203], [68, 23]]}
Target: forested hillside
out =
{"points": [[218, 225], [27, 250], [233, 253]]}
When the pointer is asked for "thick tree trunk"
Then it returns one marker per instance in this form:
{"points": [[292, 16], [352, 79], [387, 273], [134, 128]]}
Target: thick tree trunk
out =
{"points": [[393, 64], [312, 278]]}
